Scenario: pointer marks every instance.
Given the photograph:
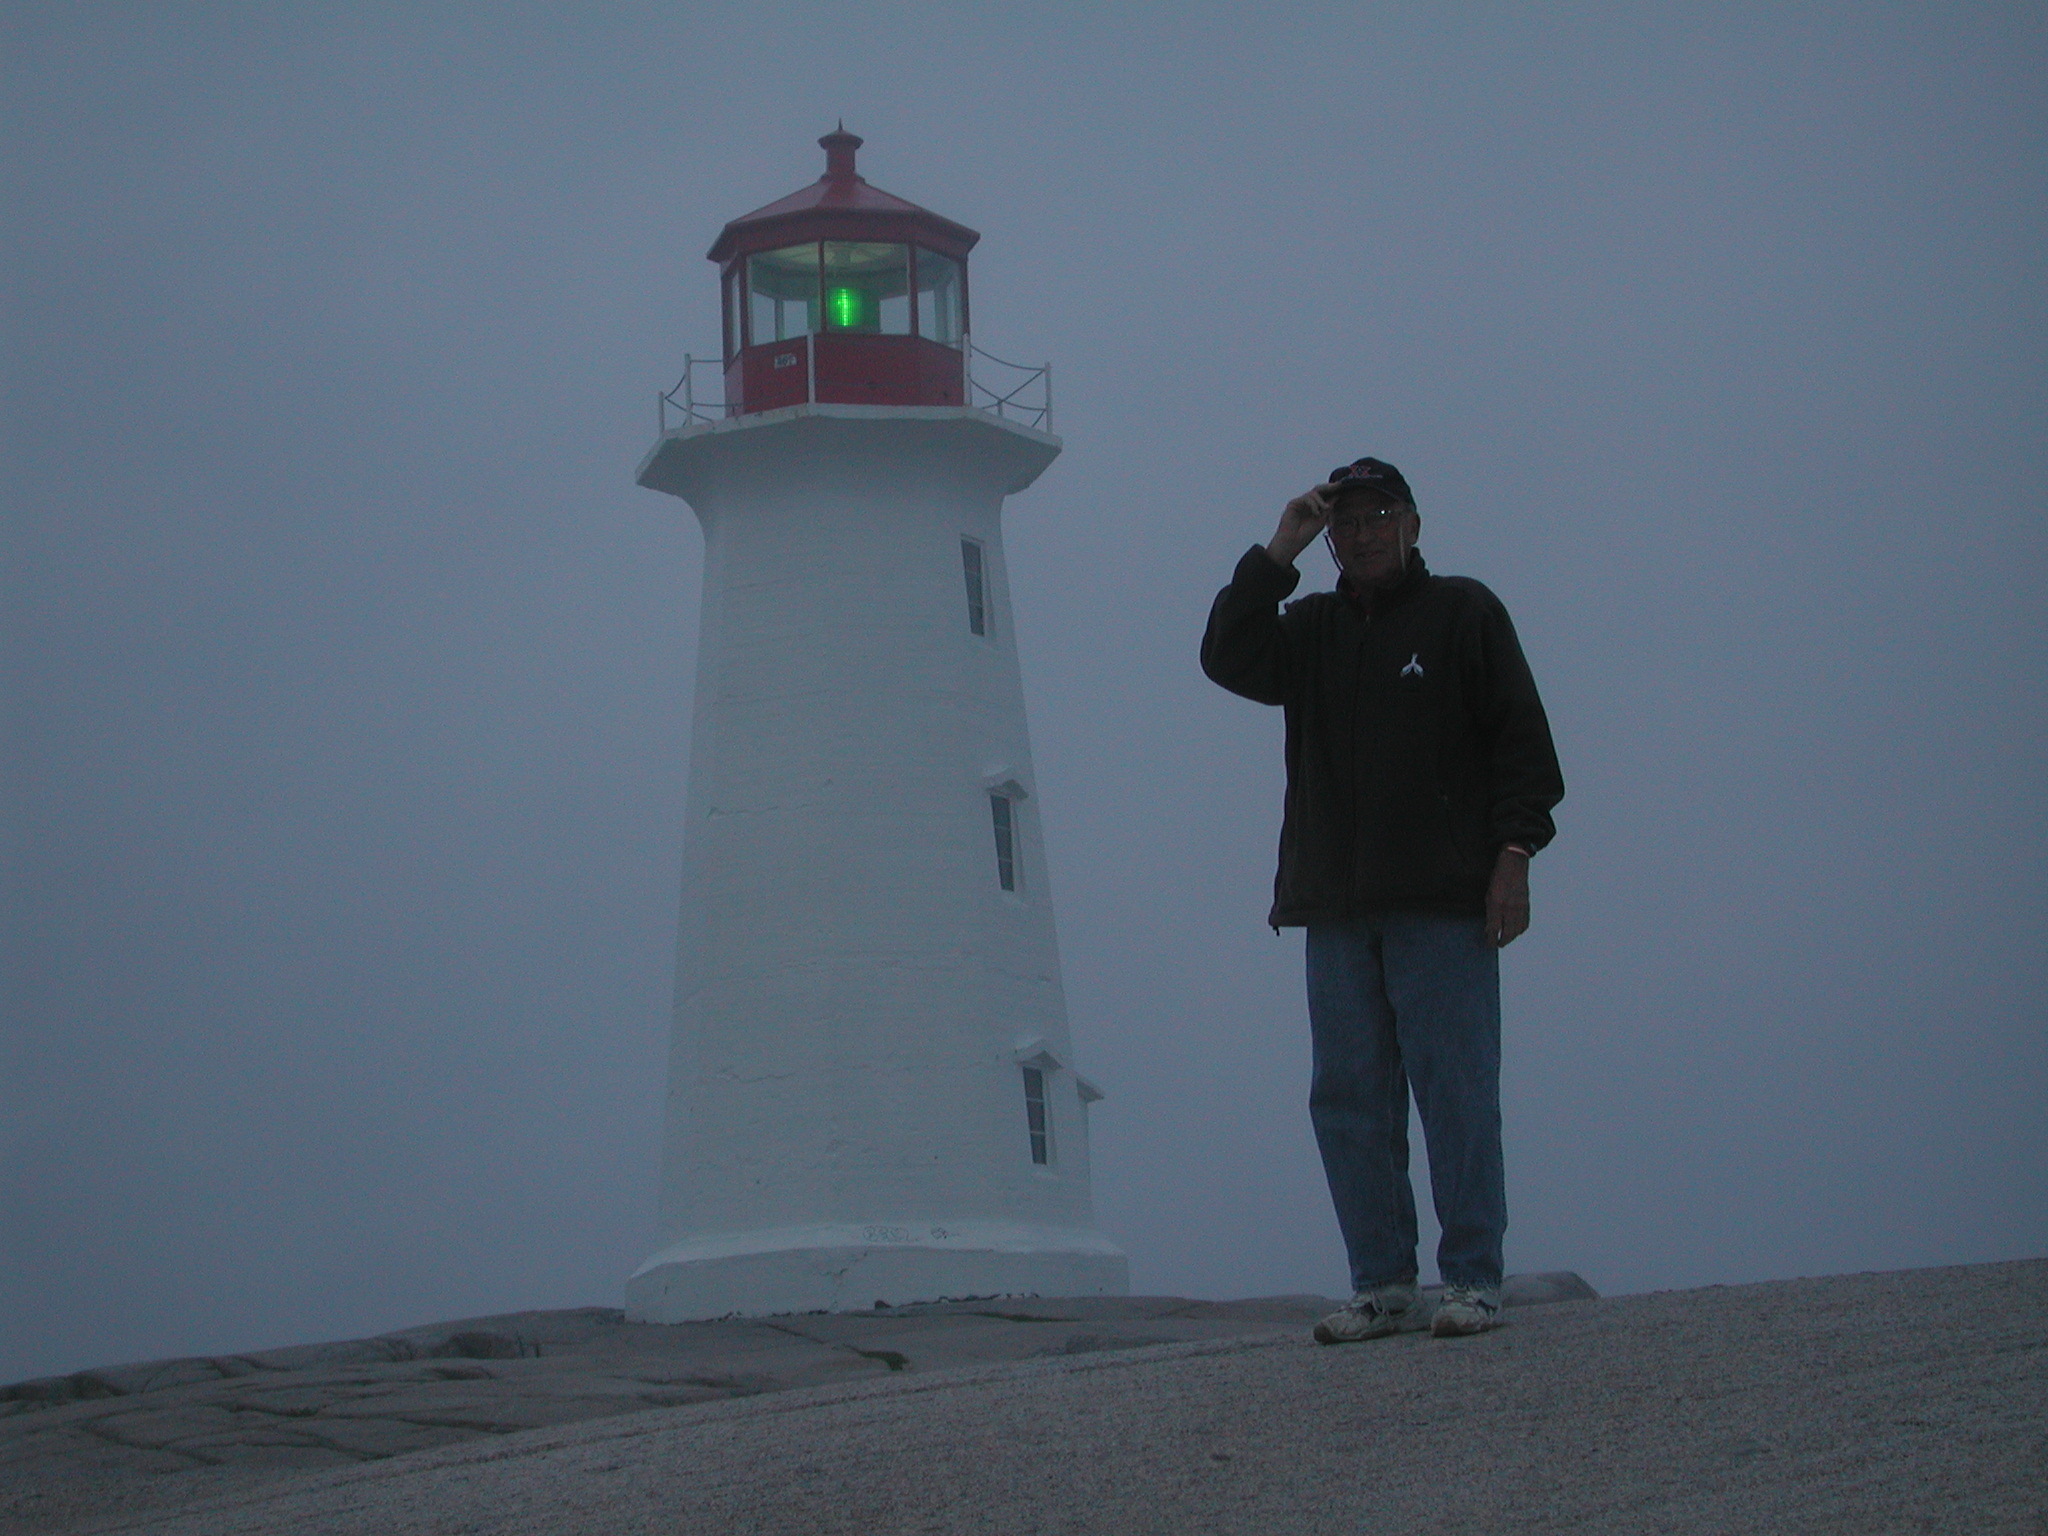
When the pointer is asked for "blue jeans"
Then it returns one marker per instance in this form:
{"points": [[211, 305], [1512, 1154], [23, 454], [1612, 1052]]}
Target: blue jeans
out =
{"points": [[1399, 999]]}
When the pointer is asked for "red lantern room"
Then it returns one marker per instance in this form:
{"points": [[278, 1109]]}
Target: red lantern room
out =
{"points": [[844, 294]]}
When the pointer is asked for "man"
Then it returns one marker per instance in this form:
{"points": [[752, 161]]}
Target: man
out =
{"points": [[1420, 780]]}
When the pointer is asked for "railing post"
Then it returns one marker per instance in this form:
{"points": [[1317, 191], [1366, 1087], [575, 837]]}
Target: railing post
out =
{"points": [[689, 391], [1048, 398], [967, 370], [810, 366]]}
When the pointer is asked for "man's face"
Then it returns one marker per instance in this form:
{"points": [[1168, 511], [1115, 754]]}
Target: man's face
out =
{"points": [[1372, 535]]}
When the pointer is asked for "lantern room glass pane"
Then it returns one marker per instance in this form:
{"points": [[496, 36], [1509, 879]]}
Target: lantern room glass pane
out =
{"points": [[941, 290], [867, 287], [782, 292]]}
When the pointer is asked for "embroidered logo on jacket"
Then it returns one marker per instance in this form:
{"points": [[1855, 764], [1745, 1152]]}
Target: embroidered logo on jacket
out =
{"points": [[1414, 667]]}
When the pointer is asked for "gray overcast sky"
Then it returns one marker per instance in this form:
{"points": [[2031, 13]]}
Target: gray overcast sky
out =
{"points": [[349, 673]]}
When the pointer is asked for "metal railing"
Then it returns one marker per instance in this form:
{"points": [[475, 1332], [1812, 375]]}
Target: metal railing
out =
{"points": [[694, 413], [1026, 399]]}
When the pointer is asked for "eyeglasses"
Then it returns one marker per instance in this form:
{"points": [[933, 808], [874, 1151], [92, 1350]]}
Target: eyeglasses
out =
{"points": [[1365, 520]]}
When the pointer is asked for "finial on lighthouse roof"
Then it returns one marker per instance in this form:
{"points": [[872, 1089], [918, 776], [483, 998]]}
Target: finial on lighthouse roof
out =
{"points": [[839, 146]]}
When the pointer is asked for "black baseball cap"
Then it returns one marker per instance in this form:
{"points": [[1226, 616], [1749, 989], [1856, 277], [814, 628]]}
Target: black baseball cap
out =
{"points": [[1375, 475]]}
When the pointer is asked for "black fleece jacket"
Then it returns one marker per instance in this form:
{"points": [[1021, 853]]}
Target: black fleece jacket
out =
{"points": [[1416, 744]]}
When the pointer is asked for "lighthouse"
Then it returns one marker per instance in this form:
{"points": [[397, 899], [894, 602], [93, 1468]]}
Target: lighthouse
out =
{"points": [[873, 1095]]}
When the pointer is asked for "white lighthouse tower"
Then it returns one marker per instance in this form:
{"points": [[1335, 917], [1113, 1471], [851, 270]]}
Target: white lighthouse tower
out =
{"points": [[872, 1092]]}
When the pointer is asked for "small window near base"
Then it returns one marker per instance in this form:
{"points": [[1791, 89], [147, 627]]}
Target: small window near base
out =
{"points": [[1035, 1120]]}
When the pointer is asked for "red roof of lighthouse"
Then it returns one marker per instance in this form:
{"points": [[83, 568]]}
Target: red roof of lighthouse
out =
{"points": [[840, 205]]}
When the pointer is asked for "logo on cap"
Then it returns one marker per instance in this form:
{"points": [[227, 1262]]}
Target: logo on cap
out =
{"points": [[1373, 474]]}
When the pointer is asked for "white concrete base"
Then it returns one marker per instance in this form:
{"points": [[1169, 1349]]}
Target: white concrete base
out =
{"points": [[848, 1268]]}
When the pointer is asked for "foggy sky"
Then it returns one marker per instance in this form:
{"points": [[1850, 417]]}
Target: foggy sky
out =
{"points": [[348, 673]]}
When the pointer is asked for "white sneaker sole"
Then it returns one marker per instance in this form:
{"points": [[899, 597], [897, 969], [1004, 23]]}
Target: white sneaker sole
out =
{"points": [[1462, 1324], [1386, 1329]]}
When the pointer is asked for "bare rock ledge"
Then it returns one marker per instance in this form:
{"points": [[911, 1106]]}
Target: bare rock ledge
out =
{"points": [[1871, 1403]]}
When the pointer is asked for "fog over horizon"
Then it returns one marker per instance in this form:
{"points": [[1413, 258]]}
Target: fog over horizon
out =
{"points": [[348, 673]]}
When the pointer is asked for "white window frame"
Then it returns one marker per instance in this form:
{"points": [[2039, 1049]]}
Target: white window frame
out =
{"points": [[1010, 819], [979, 588], [1038, 1113]]}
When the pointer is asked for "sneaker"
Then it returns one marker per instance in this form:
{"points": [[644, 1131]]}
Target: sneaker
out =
{"points": [[1466, 1309], [1372, 1314]]}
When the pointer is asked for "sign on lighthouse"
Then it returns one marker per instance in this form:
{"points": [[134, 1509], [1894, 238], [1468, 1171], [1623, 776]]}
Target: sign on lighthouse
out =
{"points": [[872, 1091]]}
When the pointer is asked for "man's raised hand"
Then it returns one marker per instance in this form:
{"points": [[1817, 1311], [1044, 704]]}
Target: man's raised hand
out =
{"points": [[1300, 521]]}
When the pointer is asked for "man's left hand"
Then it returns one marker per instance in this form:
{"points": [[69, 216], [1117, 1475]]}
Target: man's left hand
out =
{"points": [[1507, 899]]}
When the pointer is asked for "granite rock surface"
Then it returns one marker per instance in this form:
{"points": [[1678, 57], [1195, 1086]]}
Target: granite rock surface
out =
{"points": [[127, 1441], [1914, 1401], [1855, 1405]]}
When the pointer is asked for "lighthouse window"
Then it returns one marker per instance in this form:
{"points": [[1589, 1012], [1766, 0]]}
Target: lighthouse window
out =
{"points": [[732, 312], [782, 290], [941, 293], [1035, 1120], [867, 287], [1004, 812], [977, 592]]}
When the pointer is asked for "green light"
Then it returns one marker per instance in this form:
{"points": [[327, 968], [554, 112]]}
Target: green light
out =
{"points": [[844, 307]]}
